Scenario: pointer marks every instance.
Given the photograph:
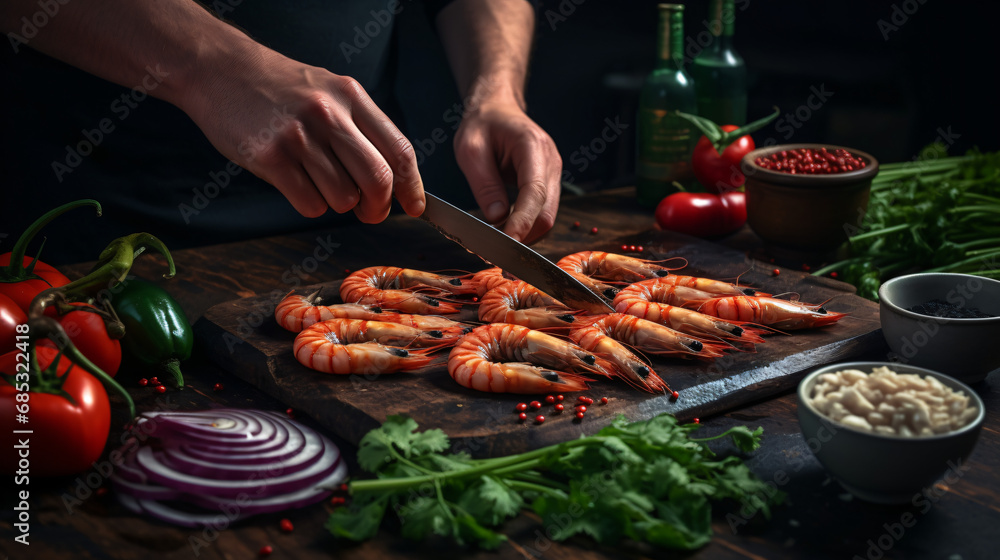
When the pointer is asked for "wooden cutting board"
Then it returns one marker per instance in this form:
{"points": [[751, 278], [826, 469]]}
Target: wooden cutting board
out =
{"points": [[243, 337]]}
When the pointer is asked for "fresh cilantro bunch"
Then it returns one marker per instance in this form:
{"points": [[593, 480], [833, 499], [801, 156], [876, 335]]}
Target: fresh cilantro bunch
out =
{"points": [[647, 481], [934, 214]]}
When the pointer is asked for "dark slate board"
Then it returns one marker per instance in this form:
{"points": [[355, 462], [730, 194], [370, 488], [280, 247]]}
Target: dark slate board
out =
{"points": [[243, 337]]}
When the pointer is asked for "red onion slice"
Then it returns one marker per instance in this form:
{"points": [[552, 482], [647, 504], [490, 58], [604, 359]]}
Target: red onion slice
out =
{"points": [[238, 462]]}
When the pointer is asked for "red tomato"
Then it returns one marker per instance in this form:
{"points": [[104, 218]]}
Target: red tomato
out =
{"points": [[87, 331], [68, 437], [24, 291], [736, 209], [701, 214], [717, 173], [10, 317]]}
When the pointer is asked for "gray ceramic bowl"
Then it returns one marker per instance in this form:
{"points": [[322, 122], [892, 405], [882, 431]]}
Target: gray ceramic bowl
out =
{"points": [[886, 469], [960, 348]]}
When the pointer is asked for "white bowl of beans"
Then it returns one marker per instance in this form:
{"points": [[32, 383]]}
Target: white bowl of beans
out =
{"points": [[886, 431]]}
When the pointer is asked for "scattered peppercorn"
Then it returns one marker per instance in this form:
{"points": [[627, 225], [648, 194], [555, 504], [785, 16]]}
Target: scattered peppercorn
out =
{"points": [[539, 418], [161, 389], [639, 248], [624, 247], [338, 501], [833, 274], [535, 405], [585, 400], [559, 407], [143, 382], [290, 412], [521, 407], [286, 525], [560, 398], [523, 416], [604, 400], [550, 399], [776, 272], [154, 381], [675, 394], [343, 487], [576, 225], [581, 408], [579, 415], [266, 550], [593, 229], [697, 421], [218, 387], [806, 267]]}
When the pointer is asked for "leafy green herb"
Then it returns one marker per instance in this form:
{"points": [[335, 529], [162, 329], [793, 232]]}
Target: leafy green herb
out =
{"points": [[934, 214], [647, 481]]}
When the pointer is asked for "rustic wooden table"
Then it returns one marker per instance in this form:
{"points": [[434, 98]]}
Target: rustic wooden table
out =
{"points": [[69, 519]]}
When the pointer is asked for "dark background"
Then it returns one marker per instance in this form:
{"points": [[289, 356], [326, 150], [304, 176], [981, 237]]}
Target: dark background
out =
{"points": [[891, 96]]}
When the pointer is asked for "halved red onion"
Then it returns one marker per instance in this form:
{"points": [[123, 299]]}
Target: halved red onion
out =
{"points": [[237, 462]]}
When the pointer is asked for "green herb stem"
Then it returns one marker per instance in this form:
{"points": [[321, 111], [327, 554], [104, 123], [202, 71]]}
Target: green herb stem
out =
{"points": [[540, 488], [879, 232], [507, 464]]}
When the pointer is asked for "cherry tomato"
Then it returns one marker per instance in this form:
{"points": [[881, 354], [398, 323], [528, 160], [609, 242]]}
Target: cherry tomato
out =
{"points": [[720, 173], [89, 334], [24, 291], [67, 437], [10, 317]]}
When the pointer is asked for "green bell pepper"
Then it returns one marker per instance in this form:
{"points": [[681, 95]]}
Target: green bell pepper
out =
{"points": [[156, 329]]}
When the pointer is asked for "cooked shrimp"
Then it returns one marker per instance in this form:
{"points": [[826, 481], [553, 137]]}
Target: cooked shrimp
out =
{"points": [[591, 266], [616, 359], [502, 358], [520, 303], [296, 312], [486, 280], [405, 289], [717, 287], [652, 337], [426, 322], [640, 303], [358, 346], [662, 290], [768, 311]]}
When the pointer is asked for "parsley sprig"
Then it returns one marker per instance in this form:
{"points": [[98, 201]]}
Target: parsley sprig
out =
{"points": [[647, 481]]}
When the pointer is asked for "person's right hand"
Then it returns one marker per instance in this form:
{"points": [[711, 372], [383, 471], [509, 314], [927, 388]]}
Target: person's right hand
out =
{"points": [[316, 136]]}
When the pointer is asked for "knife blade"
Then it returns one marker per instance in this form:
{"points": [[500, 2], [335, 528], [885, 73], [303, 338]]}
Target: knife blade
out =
{"points": [[499, 249]]}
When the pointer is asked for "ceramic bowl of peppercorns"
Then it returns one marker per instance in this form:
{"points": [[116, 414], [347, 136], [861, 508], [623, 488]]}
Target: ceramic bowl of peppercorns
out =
{"points": [[943, 321], [807, 197]]}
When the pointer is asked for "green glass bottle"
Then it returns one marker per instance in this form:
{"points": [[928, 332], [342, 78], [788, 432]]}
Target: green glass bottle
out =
{"points": [[665, 141], [720, 76]]}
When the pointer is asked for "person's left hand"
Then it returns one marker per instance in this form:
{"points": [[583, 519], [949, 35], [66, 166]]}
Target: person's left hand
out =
{"points": [[498, 142]]}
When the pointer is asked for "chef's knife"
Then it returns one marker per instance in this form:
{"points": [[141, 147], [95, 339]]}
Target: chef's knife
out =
{"points": [[499, 249]]}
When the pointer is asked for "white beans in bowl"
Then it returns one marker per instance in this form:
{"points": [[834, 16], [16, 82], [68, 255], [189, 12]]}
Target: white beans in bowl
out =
{"points": [[889, 403]]}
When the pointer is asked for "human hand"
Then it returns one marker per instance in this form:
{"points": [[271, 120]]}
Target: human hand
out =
{"points": [[316, 136], [498, 142]]}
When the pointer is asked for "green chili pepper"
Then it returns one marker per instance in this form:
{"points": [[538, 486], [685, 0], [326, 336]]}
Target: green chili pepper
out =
{"points": [[156, 329]]}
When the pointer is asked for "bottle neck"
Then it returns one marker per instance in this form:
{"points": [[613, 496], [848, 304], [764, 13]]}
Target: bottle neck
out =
{"points": [[670, 38], [722, 20]]}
